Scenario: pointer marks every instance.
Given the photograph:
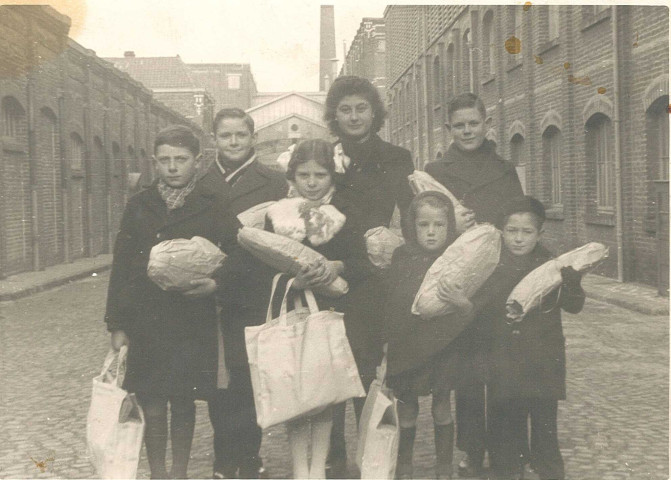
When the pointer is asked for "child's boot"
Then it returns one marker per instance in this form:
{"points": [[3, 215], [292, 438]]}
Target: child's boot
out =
{"points": [[406, 444], [444, 440]]}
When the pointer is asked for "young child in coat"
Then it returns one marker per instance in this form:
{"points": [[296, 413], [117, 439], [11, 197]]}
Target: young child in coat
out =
{"points": [[316, 214], [526, 357], [419, 355], [483, 182], [171, 335]]}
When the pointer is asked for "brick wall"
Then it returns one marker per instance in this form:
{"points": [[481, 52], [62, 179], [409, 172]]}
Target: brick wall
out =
{"points": [[567, 83], [71, 129]]}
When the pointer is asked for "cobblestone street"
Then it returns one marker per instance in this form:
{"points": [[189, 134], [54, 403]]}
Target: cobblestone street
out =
{"points": [[614, 424]]}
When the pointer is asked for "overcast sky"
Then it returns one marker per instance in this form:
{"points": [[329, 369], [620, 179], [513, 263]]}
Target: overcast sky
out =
{"points": [[279, 38]]}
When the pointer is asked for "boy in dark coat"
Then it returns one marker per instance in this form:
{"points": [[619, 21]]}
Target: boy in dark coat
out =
{"points": [[239, 182], [171, 334], [374, 180], [482, 181], [527, 357]]}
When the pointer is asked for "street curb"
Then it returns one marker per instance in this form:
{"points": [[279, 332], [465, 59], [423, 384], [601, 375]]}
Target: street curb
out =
{"points": [[56, 282], [636, 306]]}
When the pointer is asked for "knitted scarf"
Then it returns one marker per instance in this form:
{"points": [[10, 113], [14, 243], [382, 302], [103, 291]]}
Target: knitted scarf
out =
{"points": [[175, 197]]}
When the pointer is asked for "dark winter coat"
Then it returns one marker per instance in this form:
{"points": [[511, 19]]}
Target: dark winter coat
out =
{"points": [[375, 182], [413, 341], [257, 184], [245, 283], [481, 180], [526, 359], [172, 338]]}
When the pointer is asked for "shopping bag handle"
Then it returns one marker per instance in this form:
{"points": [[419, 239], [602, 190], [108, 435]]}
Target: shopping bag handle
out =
{"points": [[283, 308], [111, 356], [382, 368]]}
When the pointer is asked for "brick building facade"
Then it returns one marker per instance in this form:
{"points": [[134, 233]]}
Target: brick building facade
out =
{"points": [[230, 84], [582, 110], [76, 134], [366, 55]]}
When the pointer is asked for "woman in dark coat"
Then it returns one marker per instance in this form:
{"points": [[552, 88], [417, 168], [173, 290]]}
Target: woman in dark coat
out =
{"points": [[171, 336], [374, 178]]}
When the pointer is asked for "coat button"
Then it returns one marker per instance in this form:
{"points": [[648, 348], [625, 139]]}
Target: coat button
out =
{"points": [[158, 235]]}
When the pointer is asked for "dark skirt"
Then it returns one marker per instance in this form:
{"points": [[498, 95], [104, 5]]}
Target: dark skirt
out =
{"points": [[435, 377]]}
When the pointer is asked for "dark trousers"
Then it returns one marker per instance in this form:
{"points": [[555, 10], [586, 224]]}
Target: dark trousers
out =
{"points": [[367, 370], [471, 421], [237, 437], [510, 445]]}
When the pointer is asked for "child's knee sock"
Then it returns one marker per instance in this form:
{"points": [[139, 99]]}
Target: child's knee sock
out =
{"points": [[444, 440], [405, 449]]}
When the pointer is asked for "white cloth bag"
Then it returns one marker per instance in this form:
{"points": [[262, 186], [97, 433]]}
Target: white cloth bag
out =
{"points": [[377, 447], [115, 423], [300, 362]]}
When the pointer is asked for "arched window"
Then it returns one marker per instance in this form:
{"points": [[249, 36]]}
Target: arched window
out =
{"points": [[518, 157], [13, 118], [598, 132], [437, 88], [488, 46], [657, 134], [552, 164], [451, 71], [553, 21], [76, 152], [467, 60]]}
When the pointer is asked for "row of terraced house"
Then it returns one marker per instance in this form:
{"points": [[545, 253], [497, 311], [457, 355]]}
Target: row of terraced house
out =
{"points": [[76, 134], [579, 101]]}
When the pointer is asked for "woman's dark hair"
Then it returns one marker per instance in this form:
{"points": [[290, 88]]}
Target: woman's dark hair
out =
{"points": [[433, 199], [178, 136], [351, 85], [316, 149]]}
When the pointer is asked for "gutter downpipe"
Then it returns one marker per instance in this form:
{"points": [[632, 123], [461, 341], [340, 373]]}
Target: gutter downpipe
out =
{"points": [[618, 150]]}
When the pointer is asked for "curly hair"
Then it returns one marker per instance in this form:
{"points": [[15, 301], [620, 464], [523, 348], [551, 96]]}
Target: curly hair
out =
{"points": [[351, 85]]}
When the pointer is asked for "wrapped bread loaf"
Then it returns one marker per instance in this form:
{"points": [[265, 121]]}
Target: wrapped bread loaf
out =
{"points": [[296, 218], [173, 264], [421, 182], [380, 245], [286, 255], [468, 262], [255, 216], [529, 293]]}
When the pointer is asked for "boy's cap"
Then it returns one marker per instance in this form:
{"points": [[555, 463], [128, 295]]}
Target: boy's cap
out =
{"points": [[523, 204]]}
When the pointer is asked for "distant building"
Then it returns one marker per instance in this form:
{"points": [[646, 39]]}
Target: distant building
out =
{"points": [[579, 99], [366, 55], [230, 84], [172, 82], [76, 137], [284, 118]]}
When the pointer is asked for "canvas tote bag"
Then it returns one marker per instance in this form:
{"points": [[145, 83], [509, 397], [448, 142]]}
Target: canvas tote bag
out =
{"points": [[377, 447], [115, 423], [300, 362]]}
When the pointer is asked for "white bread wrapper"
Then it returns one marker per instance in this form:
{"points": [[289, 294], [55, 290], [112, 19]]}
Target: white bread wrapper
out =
{"points": [[286, 255], [529, 293], [294, 218], [380, 245], [468, 262], [255, 216], [173, 264], [422, 182]]}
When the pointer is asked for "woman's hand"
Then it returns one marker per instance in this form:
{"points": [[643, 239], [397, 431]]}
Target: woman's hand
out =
{"points": [[201, 287], [464, 219], [314, 275], [119, 339], [453, 294]]}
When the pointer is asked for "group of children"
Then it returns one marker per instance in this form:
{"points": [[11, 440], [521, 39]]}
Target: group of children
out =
{"points": [[523, 361]]}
